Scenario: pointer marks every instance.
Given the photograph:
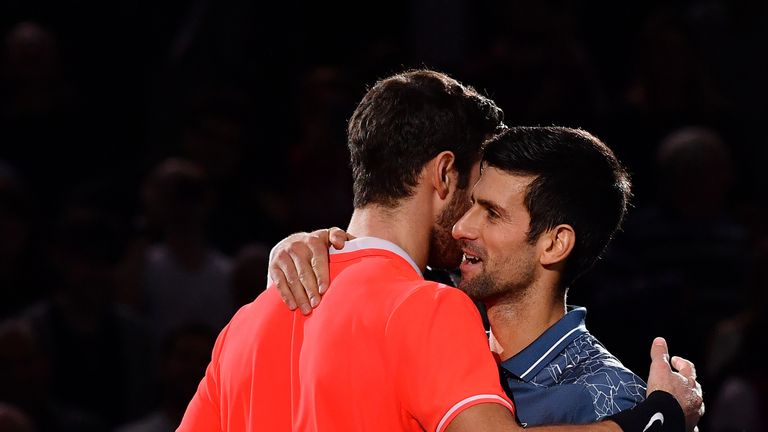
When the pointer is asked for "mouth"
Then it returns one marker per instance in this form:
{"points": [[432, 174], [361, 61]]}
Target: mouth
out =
{"points": [[470, 263], [470, 259]]}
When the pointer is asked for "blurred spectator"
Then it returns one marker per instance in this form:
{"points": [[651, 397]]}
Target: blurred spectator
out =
{"points": [[183, 278], [249, 277], [22, 268], [39, 107], [13, 420], [25, 374], [318, 160], [669, 80], [244, 166], [98, 351], [212, 133], [186, 353], [738, 372], [667, 86], [536, 66], [32, 71], [695, 174], [686, 248]]}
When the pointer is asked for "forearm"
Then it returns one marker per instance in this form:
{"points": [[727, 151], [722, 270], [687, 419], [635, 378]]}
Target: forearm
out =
{"points": [[660, 412], [603, 426], [493, 417]]}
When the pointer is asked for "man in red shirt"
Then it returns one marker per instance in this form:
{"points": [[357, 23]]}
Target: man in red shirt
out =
{"points": [[391, 351], [348, 367]]}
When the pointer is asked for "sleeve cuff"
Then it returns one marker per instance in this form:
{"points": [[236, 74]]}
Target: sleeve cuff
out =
{"points": [[468, 402]]}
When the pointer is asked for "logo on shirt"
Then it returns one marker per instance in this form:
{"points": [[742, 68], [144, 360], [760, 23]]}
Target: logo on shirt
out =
{"points": [[658, 417]]}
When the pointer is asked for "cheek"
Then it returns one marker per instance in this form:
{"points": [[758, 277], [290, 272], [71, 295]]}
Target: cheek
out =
{"points": [[521, 262], [505, 250]]}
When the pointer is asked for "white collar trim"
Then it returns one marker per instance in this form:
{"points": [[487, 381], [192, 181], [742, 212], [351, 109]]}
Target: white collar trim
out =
{"points": [[361, 243]]}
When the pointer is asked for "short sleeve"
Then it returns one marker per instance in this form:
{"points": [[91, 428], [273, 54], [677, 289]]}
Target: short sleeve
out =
{"points": [[203, 412], [439, 356], [612, 390]]}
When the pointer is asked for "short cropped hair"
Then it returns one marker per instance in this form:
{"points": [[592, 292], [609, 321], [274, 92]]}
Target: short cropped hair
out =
{"points": [[578, 181], [407, 119]]}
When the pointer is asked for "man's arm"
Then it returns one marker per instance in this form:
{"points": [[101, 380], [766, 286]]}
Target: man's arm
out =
{"points": [[658, 413], [495, 418]]}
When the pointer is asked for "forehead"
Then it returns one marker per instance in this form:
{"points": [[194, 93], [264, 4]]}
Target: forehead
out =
{"points": [[501, 187]]}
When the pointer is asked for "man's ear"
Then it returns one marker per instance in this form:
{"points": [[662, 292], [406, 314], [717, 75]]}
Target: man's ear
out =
{"points": [[443, 174], [557, 244]]}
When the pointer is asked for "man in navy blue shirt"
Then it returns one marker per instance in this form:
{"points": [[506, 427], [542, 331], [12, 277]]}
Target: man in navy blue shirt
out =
{"points": [[567, 376], [548, 202]]}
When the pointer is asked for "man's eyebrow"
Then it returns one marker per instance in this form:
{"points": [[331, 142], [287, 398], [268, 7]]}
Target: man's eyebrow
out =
{"points": [[490, 205]]}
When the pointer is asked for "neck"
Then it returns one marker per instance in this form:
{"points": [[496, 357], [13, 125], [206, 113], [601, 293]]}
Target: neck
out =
{"points": [[516, 323], [403, 226]]}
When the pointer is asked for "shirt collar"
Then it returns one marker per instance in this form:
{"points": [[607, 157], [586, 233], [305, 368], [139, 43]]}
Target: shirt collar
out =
{"points": [[527, 363], [361, 243]]}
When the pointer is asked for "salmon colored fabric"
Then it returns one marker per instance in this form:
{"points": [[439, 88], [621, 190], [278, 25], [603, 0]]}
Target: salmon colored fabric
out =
{"points": [[385, 351]]}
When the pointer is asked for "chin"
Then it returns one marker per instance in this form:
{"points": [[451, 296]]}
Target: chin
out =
{"points": [[480, 287], [470, 292]]}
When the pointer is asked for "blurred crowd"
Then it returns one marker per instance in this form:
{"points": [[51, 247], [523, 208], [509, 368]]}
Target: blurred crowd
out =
{"points": [[151, 154]]}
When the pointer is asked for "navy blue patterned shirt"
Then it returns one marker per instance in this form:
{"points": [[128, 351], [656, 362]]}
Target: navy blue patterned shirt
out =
{"points": [[567, 376]]}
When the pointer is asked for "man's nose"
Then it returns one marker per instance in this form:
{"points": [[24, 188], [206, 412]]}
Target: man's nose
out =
{"points": [[465, 228]]}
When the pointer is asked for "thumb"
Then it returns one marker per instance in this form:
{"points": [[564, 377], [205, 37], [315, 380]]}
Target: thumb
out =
{"points": [[659, 356]]}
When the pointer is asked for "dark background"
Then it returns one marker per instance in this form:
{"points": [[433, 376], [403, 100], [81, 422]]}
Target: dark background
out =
{"points": [[249, 101]]}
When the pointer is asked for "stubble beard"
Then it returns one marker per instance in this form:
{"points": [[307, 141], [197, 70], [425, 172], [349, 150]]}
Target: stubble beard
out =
{"points": [[444, 250], [491, 287]]}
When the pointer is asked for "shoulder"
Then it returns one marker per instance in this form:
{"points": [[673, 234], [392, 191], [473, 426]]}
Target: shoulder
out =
{"points": [[428, 295], [591, 362], [613, 386], [434, 309]]}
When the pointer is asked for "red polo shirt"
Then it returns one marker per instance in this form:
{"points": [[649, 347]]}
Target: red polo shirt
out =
{"points": [[385, 351]]}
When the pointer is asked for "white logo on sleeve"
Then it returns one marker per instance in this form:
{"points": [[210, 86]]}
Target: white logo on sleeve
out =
{"points": [[656, 417]]}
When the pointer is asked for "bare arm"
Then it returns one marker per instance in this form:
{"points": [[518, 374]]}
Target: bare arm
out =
{"points": [[298, 265], [494, 417]]}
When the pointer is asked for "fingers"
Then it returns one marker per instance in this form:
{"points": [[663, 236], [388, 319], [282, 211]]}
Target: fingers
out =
{"points": [[293, 286], [281, 272], [281, 284], [696, 402], [660, 368], [680, 383], [685, 367], [337, 237], [304, 256], [318, 249], [660, 354], [299, 267]]}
